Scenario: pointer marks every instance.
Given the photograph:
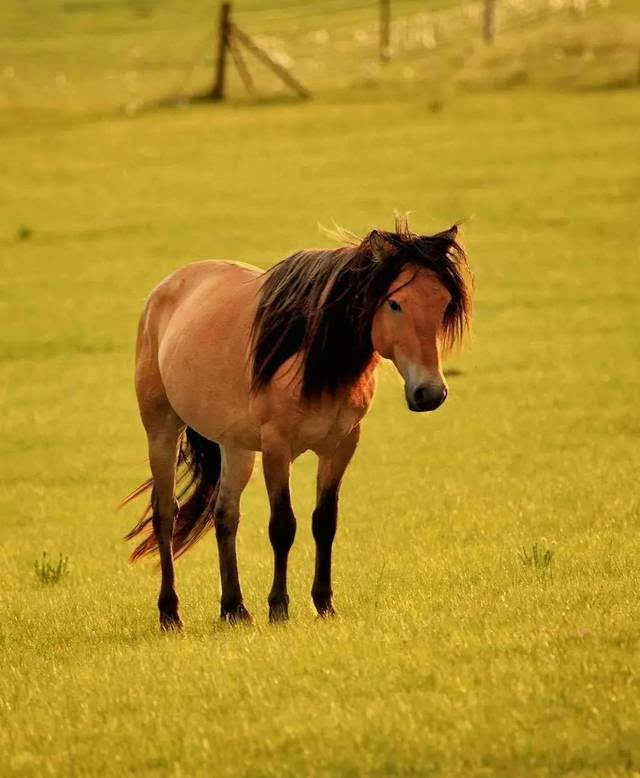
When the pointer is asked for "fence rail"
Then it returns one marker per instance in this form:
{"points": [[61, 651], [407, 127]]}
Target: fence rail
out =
{"points": [[353, 42], [115, 57]]}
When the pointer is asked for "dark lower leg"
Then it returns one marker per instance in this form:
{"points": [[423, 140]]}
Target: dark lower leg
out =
{"points": [[282, 531], [324, 524], [163, 520], [325, 518], [231, 605]]}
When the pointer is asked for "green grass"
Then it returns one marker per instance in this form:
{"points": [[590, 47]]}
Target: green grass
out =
{"points": [[450, 656]]}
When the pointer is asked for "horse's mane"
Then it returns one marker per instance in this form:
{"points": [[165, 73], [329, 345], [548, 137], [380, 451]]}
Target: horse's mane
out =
{"points": [[322, 303]]}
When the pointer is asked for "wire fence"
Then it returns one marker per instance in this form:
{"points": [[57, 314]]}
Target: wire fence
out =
{"points": [[341, 45], [101, 56]]}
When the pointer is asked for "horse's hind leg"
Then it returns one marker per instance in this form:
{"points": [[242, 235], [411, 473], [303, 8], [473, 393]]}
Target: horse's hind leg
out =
{"points": [[163, 428], [237, 466], [163, 445]]}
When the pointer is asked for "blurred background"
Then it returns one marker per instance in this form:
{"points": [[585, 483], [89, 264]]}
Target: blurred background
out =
{"points": [[80, 58]]}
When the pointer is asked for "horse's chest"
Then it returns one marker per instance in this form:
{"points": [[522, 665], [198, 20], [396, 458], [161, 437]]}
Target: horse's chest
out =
{"points": [[319, 425], [322, 429]]}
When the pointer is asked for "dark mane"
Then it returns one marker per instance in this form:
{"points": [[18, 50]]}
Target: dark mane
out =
{"points": [[322, 303]]}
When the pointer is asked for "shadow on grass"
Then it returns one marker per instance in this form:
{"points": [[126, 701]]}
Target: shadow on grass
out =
{"points": [[32, 121], [628, 83], [170, 102]]}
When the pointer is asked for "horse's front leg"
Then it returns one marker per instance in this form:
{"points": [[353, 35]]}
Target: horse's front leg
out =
{"points": [[237, 466], [276, 464], [325, 518]]}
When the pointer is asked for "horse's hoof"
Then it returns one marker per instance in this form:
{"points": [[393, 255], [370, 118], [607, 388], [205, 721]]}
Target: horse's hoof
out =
{"points": [[237, 615], [324, 605], [326, 611], [170, 622], [278, 612]]}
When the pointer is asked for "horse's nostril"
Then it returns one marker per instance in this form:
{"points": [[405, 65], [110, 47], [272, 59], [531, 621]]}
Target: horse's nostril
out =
{"points": [[421, 395], [427, 397]]}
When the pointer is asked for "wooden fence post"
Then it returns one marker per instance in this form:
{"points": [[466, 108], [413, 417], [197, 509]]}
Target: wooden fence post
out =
{"points": [[217, 92], [385, 30], [489, 27], [262, 55]]}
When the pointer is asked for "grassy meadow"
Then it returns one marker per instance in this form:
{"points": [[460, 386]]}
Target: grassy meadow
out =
{"points": [[454, 653]]}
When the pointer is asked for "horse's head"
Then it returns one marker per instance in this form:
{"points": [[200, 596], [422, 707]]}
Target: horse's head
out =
{"points": [[424, 310], [407, 329], [405, 296]]}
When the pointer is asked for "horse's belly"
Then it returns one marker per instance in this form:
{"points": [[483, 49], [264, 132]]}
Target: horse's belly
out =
{"points": [[212, 406], [237, 433]]}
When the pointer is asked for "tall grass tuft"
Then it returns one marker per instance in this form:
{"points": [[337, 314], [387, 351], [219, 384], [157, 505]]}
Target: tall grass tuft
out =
{"points": [[540, 559], [48, 573]]}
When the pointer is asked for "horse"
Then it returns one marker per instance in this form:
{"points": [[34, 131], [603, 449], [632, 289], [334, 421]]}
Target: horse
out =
{"points": [[232, 360]]}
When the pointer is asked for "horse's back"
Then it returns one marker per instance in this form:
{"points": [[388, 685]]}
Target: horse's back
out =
{"points": [[178, 290]]}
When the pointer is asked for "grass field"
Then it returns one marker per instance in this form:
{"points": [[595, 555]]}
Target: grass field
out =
{"points": [[451, 656]]}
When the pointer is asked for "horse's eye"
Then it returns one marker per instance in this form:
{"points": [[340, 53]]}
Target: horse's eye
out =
{"points": [[394, 306]]}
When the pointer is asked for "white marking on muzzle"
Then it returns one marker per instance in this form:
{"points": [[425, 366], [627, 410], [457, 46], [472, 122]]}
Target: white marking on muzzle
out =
{"points": [[416, 375]]}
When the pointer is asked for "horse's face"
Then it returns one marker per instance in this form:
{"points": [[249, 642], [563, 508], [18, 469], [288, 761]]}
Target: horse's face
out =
{"points": [[406, 329]]}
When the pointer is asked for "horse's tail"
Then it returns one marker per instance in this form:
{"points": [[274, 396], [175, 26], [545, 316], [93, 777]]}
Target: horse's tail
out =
{"points": [[199, 464]]}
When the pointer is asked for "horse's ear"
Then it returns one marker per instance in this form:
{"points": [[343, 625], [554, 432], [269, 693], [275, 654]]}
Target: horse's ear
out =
{"points": [[451, 234], [381, 248]]}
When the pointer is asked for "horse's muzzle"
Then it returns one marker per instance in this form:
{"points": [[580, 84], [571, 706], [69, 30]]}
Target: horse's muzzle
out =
{"points": [[425, 397]]}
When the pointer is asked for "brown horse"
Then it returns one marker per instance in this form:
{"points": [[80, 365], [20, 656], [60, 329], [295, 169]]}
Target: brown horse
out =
{"points": [[231, 360]]}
